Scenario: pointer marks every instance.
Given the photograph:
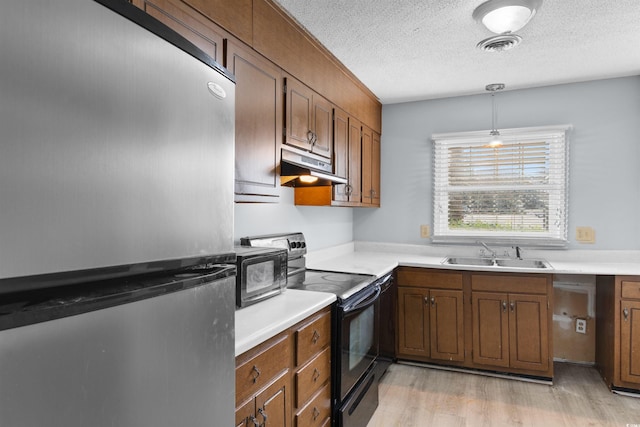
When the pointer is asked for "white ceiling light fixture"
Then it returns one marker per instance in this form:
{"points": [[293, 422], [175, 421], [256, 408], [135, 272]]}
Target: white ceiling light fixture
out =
{"points": [[504, 17], [496, 139]]}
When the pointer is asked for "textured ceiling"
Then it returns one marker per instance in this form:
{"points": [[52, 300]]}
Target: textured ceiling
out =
{"points": [[406, 50]]}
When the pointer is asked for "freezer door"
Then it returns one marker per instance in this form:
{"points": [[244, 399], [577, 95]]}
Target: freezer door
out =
{"points": [[165, 361], [117, 147]]}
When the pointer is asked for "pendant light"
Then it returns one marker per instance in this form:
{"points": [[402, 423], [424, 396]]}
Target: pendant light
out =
{"points": [[496, 139]]}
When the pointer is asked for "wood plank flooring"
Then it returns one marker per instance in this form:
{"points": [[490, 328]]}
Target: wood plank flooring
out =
{"points": [[413, 396]]}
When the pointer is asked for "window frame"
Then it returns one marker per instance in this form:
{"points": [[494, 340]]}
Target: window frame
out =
{"points": [[556, 236]]}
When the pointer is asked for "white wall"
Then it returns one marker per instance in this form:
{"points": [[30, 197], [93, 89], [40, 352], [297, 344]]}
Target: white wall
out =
{"points": [[604, 157], [323, 227]]}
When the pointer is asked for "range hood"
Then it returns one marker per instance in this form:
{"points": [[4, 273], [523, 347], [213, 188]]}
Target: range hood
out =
{"points": [[299, 168]]}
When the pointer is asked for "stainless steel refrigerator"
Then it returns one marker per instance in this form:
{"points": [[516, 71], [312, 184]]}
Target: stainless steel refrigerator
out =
{"points": [[116, 221]]}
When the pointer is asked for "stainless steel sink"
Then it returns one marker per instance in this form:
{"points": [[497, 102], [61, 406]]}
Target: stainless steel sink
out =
{"points": [[489, 262], [522, 263], [468, 261]]}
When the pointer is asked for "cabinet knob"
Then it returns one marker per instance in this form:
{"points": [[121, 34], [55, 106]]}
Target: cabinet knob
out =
{"points": [[315, 337], [625, 313], [254, 421], [504, 306], [316, 413], [433, 301], [513, 306], [316, 374]]}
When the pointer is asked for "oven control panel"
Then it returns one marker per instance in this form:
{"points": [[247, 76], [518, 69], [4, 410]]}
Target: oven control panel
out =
{"points": [[294, 243]]}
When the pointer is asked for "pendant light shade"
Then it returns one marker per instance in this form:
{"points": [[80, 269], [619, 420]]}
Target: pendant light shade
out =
{"points": [[506, 16]]}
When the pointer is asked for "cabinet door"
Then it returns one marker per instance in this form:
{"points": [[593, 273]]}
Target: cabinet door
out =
{"points": [[187, 22], [298, 114], [490, 328], [308, 119], [341, 152], [355, 160], [446, 325], [273, 404], [367, 154], [245, 414], [370, 167], [413, 322], [322, 126], [630, 341], [528, 332], [375, 169], [258, 124]]}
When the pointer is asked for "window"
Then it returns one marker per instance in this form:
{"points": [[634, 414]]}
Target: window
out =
{"points": [[512, 194]]}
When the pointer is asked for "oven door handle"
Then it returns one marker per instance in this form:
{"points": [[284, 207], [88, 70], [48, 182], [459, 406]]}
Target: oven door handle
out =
{"points": [[365, 301]]}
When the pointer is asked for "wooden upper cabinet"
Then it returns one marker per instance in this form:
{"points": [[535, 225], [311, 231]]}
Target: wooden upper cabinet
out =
{"points": [[347, 159], [308, 119], [370, 167], [258, 124], [234, 16], [187, 22]]}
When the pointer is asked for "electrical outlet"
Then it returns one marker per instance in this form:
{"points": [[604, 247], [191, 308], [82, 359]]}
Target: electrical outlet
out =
{"points": [[581, 326], [585, 235], [425, 232]]}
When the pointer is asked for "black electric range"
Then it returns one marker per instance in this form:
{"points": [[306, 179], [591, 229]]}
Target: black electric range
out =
{"points": [[355, 327]]}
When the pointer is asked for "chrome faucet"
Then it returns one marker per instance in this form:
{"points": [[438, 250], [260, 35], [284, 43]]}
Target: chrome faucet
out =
{"points": [[491, 251], [518, 254]]}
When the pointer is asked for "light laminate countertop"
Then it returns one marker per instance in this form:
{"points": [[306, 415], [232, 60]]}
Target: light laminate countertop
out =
{"points": [[259, 322], [256, 324]]}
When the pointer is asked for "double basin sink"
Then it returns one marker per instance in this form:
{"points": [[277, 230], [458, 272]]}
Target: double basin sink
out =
{"points": [[497, 262]]}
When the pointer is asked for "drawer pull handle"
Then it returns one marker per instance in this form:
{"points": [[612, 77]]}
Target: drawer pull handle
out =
{"points": [[504, 306], [257, 373], [625, 313], [316, 413], [513, 306], [255, 421], [316, 374], [264, 416], [433, 301], [315, 337]]}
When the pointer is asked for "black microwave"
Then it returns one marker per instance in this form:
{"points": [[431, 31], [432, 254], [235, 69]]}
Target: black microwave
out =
{"points": [[261, 274]]}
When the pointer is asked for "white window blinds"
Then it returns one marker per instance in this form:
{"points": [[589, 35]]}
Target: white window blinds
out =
{"points": [[514, 193]]}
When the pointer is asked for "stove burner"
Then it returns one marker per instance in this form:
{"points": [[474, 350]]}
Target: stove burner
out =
{"points": [[343, 285]]}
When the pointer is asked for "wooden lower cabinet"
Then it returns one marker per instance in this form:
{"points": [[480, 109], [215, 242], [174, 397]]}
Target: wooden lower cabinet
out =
{"points": [[511, 330], [286, 381], [430, 319], [476, 320], [618, 331], [267, 408]]}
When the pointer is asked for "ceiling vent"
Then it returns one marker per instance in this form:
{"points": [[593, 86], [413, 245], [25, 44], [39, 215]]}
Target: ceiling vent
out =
{"points": [[500, 43]]}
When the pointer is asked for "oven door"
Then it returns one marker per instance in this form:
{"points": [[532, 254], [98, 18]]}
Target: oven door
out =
{"points": [[358, 328]]}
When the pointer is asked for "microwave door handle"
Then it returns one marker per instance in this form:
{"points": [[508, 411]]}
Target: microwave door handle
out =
{"points": [[363, 303]]}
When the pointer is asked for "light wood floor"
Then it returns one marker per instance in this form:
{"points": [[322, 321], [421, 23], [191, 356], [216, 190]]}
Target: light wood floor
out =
{"points": [[413, 396]]}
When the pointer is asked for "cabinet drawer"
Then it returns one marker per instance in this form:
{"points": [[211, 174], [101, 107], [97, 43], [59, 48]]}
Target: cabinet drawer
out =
{"points": [[630, 290], [317, 411], [312, 376], [512, 283], [312, 338], [258, 371], [427, 278]]}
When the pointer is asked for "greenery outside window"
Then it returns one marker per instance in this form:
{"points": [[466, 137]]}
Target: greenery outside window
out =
{"points": [[515, 193]]}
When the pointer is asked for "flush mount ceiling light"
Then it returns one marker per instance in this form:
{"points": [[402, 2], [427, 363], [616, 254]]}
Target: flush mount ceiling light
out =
{"points": [[496, 139], [504, 17]]}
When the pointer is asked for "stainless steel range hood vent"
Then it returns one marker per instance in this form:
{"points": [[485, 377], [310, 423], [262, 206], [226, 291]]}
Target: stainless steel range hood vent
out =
{"points": [[301, 169]]}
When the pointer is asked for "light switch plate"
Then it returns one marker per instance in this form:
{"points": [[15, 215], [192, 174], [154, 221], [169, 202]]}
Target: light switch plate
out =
{"points": [[425, 231], [585, 235]]}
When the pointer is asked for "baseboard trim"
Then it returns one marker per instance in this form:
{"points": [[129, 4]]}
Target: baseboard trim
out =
{"points": [[516, 377]]}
